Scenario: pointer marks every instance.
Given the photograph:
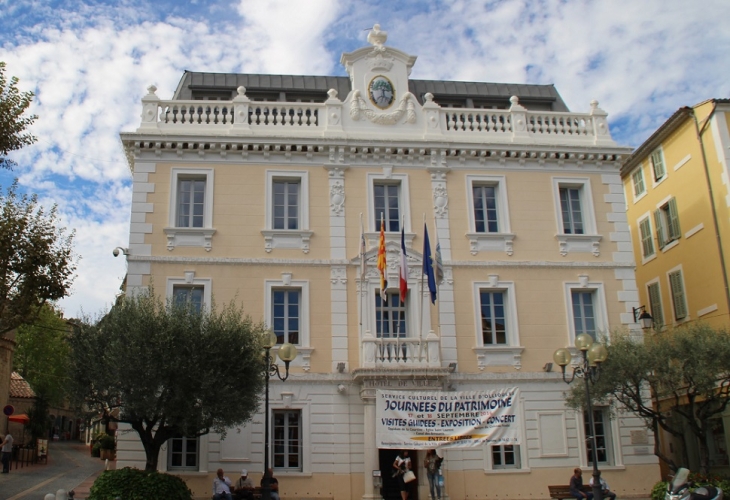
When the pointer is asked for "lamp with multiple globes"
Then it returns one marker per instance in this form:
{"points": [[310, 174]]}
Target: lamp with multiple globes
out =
{"points": [[287, 353], [589, 369]]}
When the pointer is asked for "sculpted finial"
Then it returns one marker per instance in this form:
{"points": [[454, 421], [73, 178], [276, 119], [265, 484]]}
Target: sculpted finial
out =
{"points": [[377, 37]]}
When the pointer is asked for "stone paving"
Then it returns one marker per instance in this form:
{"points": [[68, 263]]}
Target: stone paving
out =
{"points": [[69, 467]]}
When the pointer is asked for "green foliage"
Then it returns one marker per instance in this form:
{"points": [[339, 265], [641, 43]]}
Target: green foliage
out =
{"points": [[96, 450], [176, 371], [659, 490], [39, 422], [107, 442], [42, 355], [135, 484], [13, 105], [37, 264], [675, 379]]}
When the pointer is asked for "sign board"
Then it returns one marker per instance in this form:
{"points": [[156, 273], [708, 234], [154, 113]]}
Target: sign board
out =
{"points": [[424, 419], [8, 410]]}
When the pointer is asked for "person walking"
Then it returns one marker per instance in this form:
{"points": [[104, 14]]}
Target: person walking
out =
{"points": [[6, 447], [432, 463], [402, 465]]}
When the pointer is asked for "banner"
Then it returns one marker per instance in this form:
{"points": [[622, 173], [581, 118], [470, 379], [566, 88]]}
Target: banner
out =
{"points": [[421, 420]]}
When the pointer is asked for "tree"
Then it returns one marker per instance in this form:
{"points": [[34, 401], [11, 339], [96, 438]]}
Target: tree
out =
{"points": [[42, 355], [13, 124], [674, 380], [169, 370], [37, 263]]}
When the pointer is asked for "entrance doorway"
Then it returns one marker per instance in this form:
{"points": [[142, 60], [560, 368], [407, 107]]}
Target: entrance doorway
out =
{"points": [[391, 489]]}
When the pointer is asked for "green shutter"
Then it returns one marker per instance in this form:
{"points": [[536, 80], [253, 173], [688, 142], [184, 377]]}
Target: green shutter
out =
{"points": [[678, 298], [638, 178], [673, 222], [647, 243], [657, 163], [659, 228], [655, 304]]}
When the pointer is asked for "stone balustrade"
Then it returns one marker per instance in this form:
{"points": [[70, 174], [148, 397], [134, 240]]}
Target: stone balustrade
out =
{"points": [[352, 118], [401, 352]]}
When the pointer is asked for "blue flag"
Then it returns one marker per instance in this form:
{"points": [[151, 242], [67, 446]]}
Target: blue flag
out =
{"points": [[428, 265]]}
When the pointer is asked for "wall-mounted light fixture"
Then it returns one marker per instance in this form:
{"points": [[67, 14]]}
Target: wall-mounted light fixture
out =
{"points": [[452, 367], [644, 319], [118, 250]]}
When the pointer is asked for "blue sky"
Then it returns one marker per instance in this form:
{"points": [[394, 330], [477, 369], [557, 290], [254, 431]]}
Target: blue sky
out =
{"points": [[89, 63]]}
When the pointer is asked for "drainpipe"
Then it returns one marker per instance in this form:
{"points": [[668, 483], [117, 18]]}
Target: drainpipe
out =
{"points": [[700, 131]]}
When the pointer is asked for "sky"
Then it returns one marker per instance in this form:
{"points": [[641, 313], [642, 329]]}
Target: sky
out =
{"points": [[89, 62]]}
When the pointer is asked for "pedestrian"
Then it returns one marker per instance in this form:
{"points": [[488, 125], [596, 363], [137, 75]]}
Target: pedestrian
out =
{"points": [[576, 486], [221, 487], [244, 487], [273, 483], [6, 447], [402, 465], [432, 463], [607, 493]]}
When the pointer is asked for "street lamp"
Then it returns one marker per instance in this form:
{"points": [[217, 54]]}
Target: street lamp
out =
{"points": [[287, 353], [589, 370], [644, 318]]}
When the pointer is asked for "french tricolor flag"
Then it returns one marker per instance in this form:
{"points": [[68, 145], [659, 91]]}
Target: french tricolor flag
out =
{"points": [[403, 266]]}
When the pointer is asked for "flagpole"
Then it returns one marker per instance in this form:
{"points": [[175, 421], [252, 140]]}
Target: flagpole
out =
{"points": [[383, 283], [438, 274], [420, 302]]}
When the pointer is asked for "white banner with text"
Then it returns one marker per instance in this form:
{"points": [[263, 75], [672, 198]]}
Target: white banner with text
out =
{"points": [[422, 420]]}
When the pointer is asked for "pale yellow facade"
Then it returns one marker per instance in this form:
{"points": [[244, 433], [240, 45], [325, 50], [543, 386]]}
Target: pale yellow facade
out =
{"points": [[434, 158]]}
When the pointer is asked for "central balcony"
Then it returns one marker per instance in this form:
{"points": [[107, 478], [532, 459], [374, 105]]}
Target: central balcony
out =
{"points": [[401, 352]]}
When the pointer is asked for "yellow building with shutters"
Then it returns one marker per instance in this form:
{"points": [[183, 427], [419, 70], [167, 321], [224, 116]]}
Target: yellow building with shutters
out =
{"points": [[678, 205]]}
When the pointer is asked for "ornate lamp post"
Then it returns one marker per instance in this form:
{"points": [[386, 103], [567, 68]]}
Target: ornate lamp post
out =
{"points": [[287, 353], [589, 370]]}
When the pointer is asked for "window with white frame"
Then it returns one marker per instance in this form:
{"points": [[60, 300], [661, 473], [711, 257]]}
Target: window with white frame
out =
{"points": [[189, 291], [390, 316], [506, 456], [183, 453], [666, 218], [655, 304], [287, 210], [604, 448], [497, 333], [637, 179], [387, 205], [287, 442], [646, 237], [586, 306], [576, 216], [286, 314], [489, 225], [679, 299], [657, 164], [190, 220]]}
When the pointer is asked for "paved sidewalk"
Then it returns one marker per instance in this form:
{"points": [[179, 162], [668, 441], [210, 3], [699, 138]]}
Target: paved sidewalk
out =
{"points": [[69, 467]]}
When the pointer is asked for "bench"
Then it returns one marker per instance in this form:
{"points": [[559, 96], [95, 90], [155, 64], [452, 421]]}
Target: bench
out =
{"points": [[562, 491]]}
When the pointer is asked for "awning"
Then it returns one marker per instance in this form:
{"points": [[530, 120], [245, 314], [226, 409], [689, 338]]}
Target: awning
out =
{"points": [[21, 418]]}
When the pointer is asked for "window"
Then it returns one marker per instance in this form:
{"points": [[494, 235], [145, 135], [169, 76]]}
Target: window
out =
{"points": [[646, 237], [190, 202], [495, 319], [657, 165], [506, 456], [191, 208], [494, 328], [489, 227], [575, 215], [655, 304], [584, 317], [638, 179], [679, 300], [286, 315], [287, 210], [603, 437], [287, 443], [666, 218], [485, 209], [182, 453], [387, 206], [572, 213], [286, 204], [390, 316], [186, 295]]}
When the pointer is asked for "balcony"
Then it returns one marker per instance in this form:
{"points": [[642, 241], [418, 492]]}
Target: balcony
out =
{"points": [[401, 352]]}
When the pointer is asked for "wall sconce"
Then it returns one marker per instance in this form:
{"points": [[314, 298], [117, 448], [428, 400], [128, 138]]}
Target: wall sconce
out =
{"points": [[644, 319], [452, 367], [548, 367], [341, 367], [118, 250], [341, 388]]}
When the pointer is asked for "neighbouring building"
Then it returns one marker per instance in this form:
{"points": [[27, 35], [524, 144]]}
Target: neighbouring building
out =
{"points": [[676, 186], [255, 187]]}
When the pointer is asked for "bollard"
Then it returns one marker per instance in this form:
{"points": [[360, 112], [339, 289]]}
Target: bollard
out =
{"points": [[61, 495]]}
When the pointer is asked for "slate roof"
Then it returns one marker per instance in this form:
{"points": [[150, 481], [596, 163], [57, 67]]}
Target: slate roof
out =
{"points": [[197, 82], [19, 387]]}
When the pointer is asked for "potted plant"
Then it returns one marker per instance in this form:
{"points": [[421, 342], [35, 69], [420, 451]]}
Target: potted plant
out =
{"points": [[108, 446]]}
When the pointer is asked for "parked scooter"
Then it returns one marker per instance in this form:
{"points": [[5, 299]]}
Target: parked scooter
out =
{"points": [[679, 489]]}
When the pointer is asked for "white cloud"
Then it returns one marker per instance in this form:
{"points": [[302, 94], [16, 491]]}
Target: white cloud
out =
{"points": [[90, 63]]}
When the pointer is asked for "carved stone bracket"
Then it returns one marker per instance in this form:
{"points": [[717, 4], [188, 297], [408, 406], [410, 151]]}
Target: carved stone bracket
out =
{"points": [[337, 198], [359, 107], [440, 201], [338, 275]]}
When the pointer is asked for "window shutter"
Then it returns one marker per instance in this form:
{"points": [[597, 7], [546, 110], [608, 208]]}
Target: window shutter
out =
{"points": [[655, 305], [673, 222], [658, 163], [659, 228], [680, 306], [647, 243]]}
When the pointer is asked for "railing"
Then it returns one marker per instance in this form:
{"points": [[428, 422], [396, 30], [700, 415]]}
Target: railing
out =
{"points": [[241, 116], [401, 352]]}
